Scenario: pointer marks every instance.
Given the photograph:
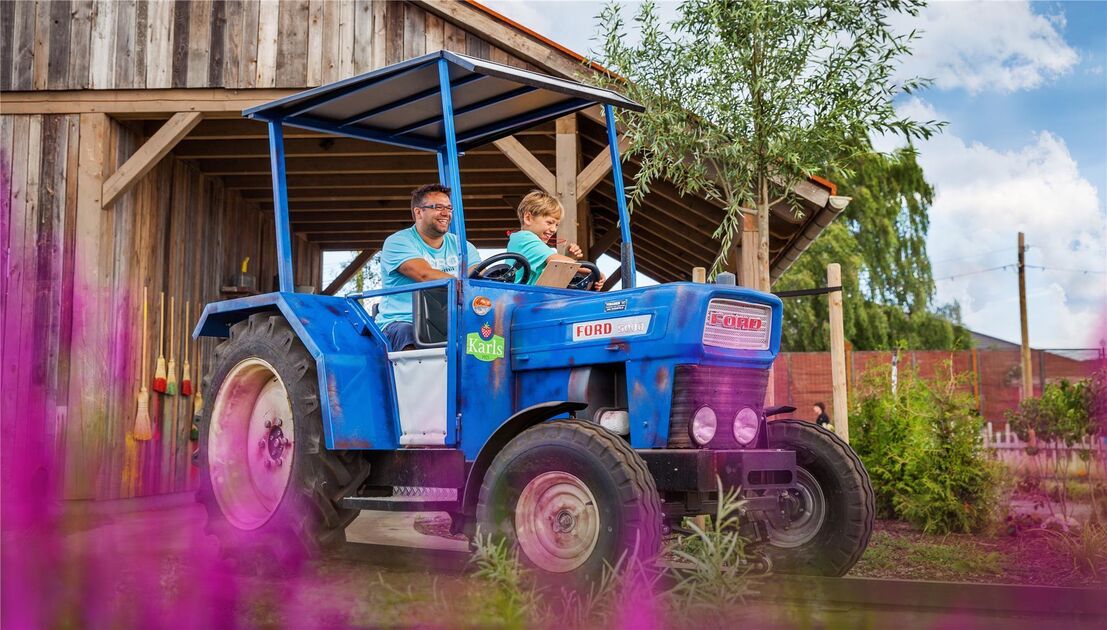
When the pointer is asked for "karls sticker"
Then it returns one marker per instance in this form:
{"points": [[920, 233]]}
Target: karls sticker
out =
{"points": [[615, 305], [617, 327], [481, 305], [484, 345]]}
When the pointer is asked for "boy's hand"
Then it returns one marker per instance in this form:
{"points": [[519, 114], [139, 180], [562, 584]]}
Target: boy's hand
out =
{"points": [[599, 283], [574, 250]]}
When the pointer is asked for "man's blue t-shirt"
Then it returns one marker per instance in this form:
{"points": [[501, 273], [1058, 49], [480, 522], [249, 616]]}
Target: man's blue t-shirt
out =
{"points": [[406, 245], [532, 248]]}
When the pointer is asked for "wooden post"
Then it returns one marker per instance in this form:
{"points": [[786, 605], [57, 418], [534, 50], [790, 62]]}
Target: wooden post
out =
{"points": [[567, 147], [699, 274], [837, 353], [1027, 381], [748, 275]]}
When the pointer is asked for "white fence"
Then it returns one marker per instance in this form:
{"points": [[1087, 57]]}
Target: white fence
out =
{"points": [[1007, 448]]}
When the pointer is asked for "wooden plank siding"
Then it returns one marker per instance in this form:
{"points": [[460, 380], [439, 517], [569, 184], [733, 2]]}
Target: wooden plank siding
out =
{"points": [[73, 273], [153, 44], [73, 276]]}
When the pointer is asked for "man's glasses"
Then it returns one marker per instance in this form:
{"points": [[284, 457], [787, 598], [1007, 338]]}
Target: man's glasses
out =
{"points": [[438, 207]]}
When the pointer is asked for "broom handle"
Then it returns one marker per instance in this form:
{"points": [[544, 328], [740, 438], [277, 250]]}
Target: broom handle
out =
{"points": [[161, 327], [171, 308], [187, 304], [143, 356]]}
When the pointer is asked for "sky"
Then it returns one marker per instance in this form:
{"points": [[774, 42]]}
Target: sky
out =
{"points": [[1022, 86]]}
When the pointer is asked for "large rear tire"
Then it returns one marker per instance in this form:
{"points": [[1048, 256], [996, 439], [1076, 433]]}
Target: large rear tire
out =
{"points": [[270, 486], [572, 497], [834, 507]]}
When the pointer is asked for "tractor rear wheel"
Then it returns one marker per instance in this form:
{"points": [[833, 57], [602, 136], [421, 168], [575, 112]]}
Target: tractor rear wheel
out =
{"points": [[270, 486], [572, 497], [833, 506]]}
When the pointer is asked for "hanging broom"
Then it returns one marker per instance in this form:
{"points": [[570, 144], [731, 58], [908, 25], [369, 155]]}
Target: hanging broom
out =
{"points": [[143, 430], [171, 371], [159, 371], [186, 381], [198, 399]]}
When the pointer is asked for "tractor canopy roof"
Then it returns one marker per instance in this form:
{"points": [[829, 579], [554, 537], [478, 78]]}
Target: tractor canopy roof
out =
{"points": [[402, 104]]}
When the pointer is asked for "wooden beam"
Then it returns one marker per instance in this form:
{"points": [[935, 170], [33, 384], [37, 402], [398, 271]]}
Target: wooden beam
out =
{"points": [[531, 166], [529, 46], [840, 419], [748, 267], [597, 169], [140, 103], [148, 155], [344, 276], [567, 146], [603, 243], [615, 277]]}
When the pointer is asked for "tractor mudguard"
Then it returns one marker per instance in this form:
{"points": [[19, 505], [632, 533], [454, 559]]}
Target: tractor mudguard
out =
{"points": [[350, 356], [513, 426]]}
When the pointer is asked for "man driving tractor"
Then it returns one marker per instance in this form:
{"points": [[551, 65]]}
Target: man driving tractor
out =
{"points": [[424, 251]]}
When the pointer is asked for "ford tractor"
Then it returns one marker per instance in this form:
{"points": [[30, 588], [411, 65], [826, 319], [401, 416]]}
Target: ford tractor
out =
{"points": [[577, 425]]}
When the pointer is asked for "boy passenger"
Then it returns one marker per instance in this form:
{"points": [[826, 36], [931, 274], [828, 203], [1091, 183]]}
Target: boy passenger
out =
{"points": [[539, 217]]}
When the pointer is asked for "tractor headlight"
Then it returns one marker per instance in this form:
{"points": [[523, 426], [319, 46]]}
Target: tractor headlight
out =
{"points": [[704, 423], [746, 423]]}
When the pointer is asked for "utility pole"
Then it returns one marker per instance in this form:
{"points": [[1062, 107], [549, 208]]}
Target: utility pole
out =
{"points": [[1027, 381]]}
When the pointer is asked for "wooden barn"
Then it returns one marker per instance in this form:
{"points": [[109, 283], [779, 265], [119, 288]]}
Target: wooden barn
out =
{"points": [[127, 168]]}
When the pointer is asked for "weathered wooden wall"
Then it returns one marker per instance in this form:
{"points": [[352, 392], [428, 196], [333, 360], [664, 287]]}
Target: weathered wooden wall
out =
{"points": [[70, 361], [140, 44]]}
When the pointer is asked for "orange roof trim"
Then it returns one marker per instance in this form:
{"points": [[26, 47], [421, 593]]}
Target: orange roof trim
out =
{"points": [[825, 183]]}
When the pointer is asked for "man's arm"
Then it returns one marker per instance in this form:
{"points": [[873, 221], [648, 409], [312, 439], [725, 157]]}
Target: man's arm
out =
{"points": [[419, 270]]}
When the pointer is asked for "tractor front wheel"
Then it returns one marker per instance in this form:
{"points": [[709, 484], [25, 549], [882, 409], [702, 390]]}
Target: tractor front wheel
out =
{"points": [[270, 487], [572, 497], [832, 507]]}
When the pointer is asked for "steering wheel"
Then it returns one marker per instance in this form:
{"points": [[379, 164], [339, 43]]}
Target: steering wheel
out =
{"points": [[585, 282], [503, 272]]}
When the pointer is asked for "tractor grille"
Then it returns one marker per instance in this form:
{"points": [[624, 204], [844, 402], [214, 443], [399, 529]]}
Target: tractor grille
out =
{"points": [[727, 390]]}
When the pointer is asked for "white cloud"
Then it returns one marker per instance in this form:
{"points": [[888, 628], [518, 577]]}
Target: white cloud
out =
{"points": [[984, 198], [987, 46]]}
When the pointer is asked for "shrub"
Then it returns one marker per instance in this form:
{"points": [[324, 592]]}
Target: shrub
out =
{"points": [[922, 447]]}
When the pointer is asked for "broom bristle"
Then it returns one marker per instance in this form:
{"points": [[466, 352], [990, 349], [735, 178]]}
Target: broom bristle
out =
{"points": [[143, 429], [159, 376], [186, 379], [171, 379], [197, 403]]}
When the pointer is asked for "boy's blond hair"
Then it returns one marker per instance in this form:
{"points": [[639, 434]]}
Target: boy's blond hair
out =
{"points": [[539, 204]]}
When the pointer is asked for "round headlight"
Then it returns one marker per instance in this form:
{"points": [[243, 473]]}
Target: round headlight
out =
{"points": [[745, 426], [703, 425]]}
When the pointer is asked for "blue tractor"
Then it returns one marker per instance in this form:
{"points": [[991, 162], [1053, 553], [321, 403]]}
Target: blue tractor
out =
{"points": [[577, 425]]}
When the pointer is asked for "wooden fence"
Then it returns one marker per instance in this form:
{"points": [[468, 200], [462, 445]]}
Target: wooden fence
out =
{"points": [[1087, 457]]}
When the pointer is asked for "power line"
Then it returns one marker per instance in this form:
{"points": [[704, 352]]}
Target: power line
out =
{"points": [[976, 255], [1009, 266]]}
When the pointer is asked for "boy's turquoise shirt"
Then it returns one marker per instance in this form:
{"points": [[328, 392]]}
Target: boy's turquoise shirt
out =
{"points": [[532, 248]]}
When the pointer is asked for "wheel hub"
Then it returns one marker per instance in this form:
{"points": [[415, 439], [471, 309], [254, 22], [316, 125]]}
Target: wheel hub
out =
{"points": [[805, 510], [249, 439], [557, 523]]}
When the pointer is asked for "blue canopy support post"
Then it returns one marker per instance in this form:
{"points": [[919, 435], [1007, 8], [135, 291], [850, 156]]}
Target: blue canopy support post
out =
{"points": [[626, 248], [449, 175], [280, 208]]}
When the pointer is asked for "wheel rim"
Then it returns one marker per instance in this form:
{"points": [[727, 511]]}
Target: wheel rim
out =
{"points": [[556, 522], [250, 441], [807, 518]]}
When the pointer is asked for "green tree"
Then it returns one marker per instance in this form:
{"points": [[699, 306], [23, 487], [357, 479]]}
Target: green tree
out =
{"points": [[880, 241], [757, 95]]}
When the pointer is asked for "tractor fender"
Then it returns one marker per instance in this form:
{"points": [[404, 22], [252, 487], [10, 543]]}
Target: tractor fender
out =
{"points": [[513, 426], [350, 356]]}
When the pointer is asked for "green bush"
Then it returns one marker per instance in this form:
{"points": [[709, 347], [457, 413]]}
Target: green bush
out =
{"points": [[922, 447]]}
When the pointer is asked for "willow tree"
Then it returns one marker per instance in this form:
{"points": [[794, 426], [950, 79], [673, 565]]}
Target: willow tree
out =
{"points": [[745, 99]]}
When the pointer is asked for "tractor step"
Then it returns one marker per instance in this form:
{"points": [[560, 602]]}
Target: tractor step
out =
{"points": [[399, 504]]}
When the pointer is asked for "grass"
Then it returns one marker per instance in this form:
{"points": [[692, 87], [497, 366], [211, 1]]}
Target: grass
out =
{"points": [[947, 556]]}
